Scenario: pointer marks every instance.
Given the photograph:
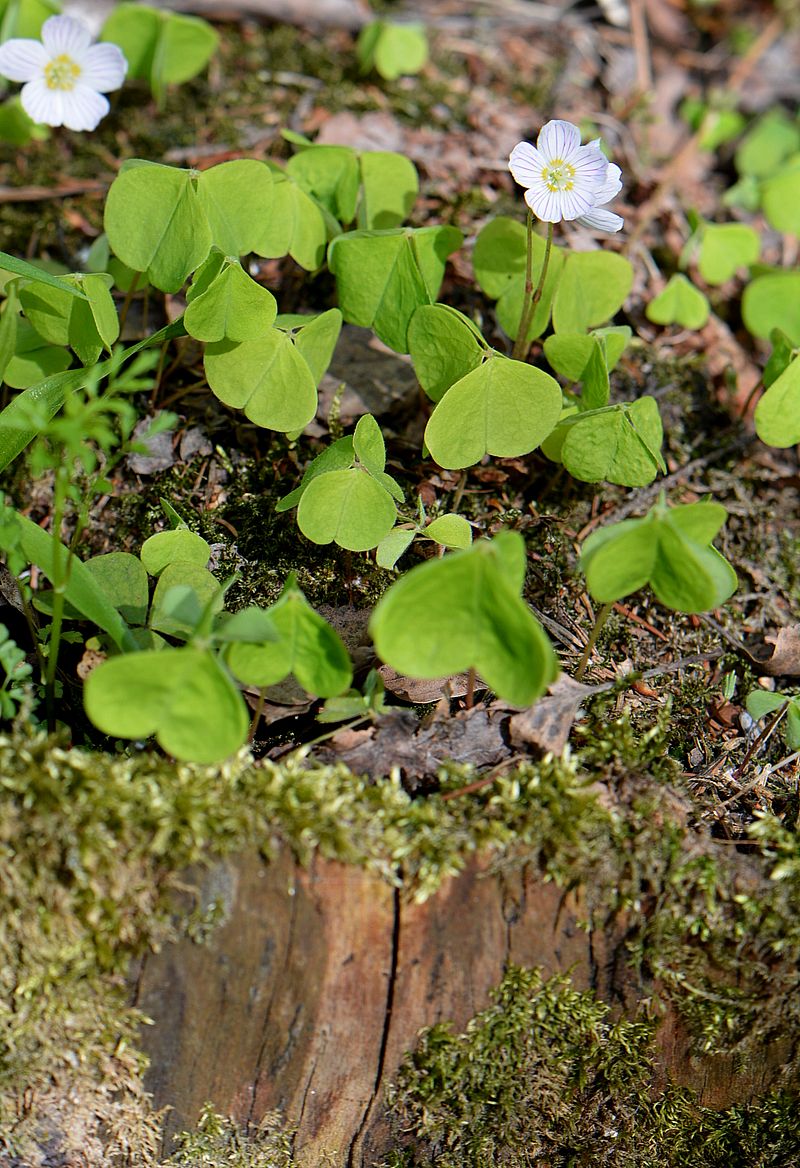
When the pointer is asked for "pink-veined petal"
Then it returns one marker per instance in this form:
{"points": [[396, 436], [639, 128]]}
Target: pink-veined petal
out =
{"points": [[611, 186], [601, 220], [104, 68], [590, 166], [545, 204], [22, 60], [558, 139], [575, 203], [526, 164], [42, 104], [83, 108], [65, 35]]}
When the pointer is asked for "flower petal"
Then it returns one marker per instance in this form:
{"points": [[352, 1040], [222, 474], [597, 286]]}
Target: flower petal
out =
{"points": [[83, 108], [559, 139], [575, 202], [545, 204], [65, 35], [611, 187], [22, 60], [104, 68], [42, 104], [601, 220], [591, 166], [526, 164]]}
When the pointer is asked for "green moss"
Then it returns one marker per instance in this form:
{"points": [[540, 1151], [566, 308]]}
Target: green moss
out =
{"points": [[93, 848], [217, 1142], [543, 1076]]}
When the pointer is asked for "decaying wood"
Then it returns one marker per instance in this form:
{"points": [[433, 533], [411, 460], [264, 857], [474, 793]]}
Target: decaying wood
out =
{"points": [[308, 995]]}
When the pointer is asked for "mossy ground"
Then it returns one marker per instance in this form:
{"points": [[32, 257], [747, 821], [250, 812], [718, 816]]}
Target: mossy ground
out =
{"points": [[94, 851]]}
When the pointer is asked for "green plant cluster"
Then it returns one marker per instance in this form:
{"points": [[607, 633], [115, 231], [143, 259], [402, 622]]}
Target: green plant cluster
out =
{"points": [[169, 229], [544, 1076]]}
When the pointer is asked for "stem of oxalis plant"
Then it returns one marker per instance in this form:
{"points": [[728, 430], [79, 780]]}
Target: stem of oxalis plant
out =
{"points": [[59, 578], [600, 620], [532, 295]]}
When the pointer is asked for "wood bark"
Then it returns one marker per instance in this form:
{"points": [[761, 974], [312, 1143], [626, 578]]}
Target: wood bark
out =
{"points": [[314, 986]]}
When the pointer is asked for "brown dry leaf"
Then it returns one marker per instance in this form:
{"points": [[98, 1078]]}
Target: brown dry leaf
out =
{"points": [[785, 658], [547, 723], [422, 692], [398, 739]]}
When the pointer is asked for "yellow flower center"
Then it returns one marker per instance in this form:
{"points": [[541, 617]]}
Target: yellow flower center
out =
{"points": [[559, 175], [61, 73]]}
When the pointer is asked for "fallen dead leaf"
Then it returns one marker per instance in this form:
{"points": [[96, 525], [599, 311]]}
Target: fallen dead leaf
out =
{"points": [[784, 661], [422, 692], [547, 723]]}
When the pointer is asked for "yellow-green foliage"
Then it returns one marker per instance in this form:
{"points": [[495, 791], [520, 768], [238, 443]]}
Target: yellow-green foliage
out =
{"points": [[543, 1077], [217, 1142]]}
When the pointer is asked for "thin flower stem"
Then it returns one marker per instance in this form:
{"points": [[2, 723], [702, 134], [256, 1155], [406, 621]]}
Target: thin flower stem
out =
{"points": [[59, 578], [532, 295], [257, 712], [600, 620]]}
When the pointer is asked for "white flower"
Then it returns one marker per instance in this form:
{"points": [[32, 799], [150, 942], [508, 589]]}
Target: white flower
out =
{"points": [[565, 180], [65, 74]]}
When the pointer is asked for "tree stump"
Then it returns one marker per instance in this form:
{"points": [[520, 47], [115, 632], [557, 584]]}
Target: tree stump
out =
{"points": [[314, 986]]}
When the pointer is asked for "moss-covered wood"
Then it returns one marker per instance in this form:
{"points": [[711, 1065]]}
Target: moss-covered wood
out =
{"points": [[300, 983]]}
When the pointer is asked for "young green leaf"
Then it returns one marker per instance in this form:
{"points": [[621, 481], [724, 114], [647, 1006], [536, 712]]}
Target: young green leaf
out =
{"points": [[669, 549], [348, 507], [233, 308], [315, 338], [777, 415], [771, 139], [679, 303], [237, 198], [620, 444], [267, 377], [382, 277], [452, 531], [34, 361], [504, 408], [779, 359], [780, 198], [368, 445], [462, 612], [392, 546], [444, 345], [156, 224], [162, 48], [295, 225], [331, 175], [185, 592], [773, 301], [389, 186], [182, 696], [123, 578], [726, 247], [307, 647], [392, 49], [592, 288], [760, 702], [179, 545]]}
